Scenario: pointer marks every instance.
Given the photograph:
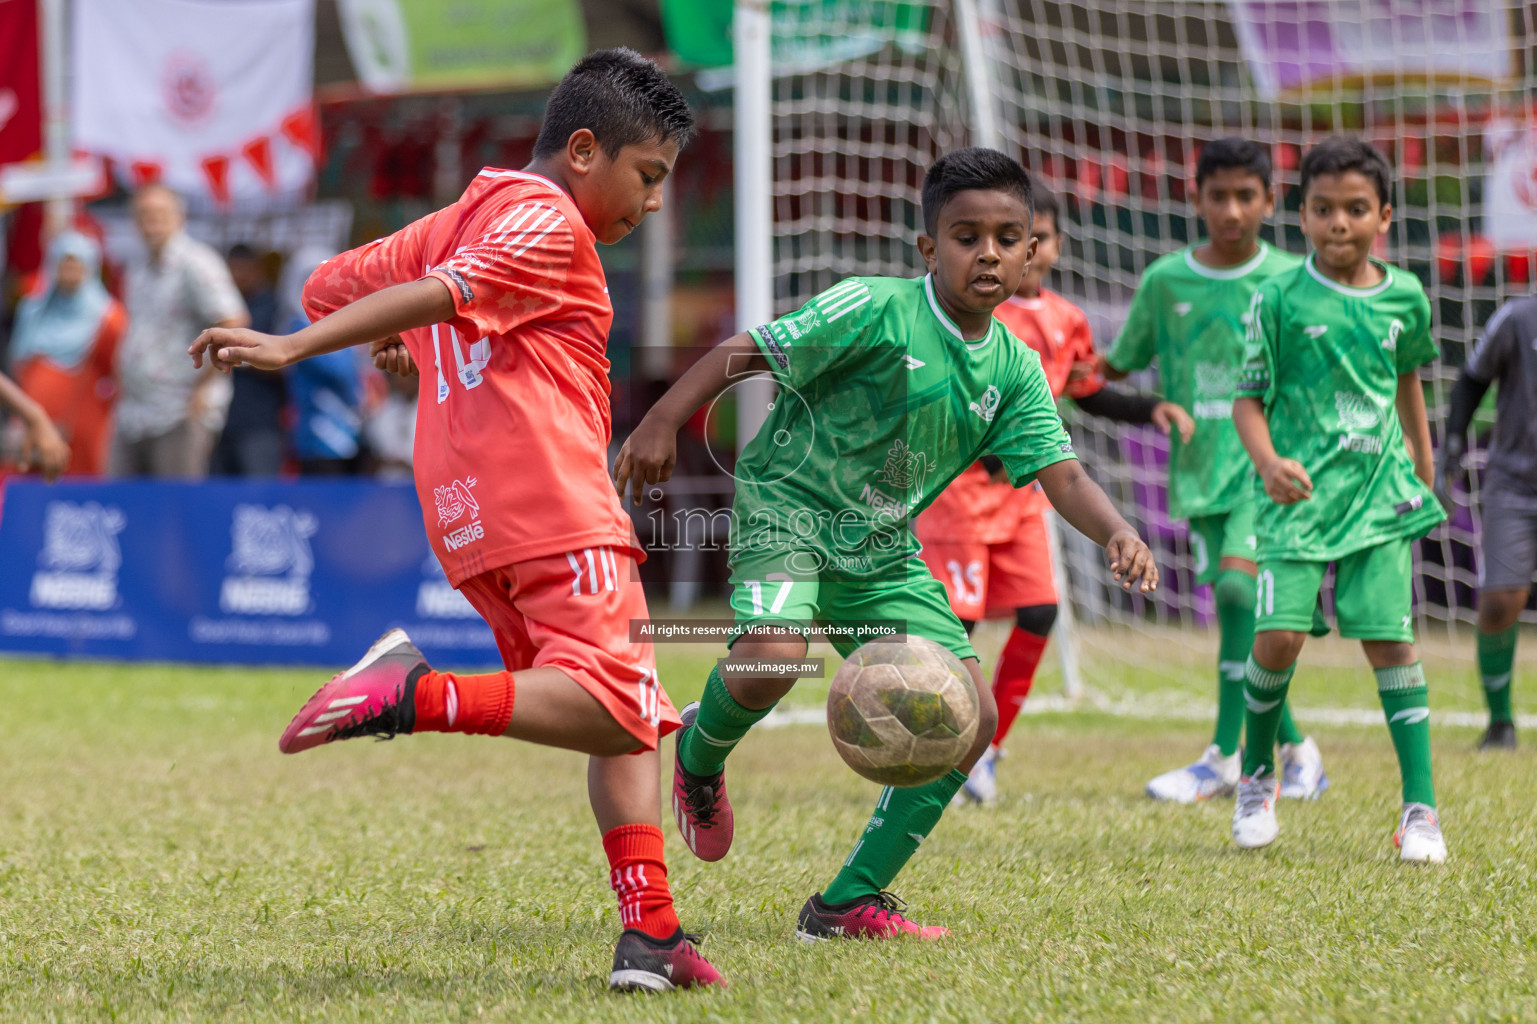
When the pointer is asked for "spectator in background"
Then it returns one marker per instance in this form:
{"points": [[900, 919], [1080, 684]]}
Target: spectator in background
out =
{"points": [[327, 391], [391, 428], [252, 441], [62, 346], [168, 413]]}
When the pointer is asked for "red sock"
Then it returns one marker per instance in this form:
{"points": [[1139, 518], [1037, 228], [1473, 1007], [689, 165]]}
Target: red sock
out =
{"points": [[638, 877], [480, 705], [1014, 677]]}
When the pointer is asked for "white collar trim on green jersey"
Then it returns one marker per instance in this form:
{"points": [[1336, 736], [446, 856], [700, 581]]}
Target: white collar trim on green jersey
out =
{"points": [[1345, 289], [1227, 273], [946, 322]]}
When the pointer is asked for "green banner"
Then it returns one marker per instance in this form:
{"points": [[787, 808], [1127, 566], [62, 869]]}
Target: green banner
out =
{"points": [[406, 45], [807, 33]]}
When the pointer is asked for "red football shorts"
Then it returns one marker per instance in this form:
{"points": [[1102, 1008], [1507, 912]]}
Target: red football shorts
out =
{"points": [[986, 581], [573, 612]]}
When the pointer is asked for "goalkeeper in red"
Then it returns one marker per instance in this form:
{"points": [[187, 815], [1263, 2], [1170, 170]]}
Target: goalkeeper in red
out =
{"points": [[501, 299], [889, 389], [1331, 412], [1188, 315]]}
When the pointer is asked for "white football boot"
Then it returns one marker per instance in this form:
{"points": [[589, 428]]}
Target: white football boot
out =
{"points": [[1212, 776], [981, 786], [1302, 771], [1418, 838], [1254, 821]]}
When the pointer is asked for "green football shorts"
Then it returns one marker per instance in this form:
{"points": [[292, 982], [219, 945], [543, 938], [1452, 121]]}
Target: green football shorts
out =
{"points": [[1227, 534], [854, 612], [1373, 593]]}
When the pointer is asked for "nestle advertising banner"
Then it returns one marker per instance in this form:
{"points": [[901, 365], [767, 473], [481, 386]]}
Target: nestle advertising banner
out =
{"points": [[276, 573]]}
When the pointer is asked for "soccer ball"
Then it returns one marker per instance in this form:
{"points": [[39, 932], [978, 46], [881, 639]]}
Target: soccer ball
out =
{"points": [[903, 711]]}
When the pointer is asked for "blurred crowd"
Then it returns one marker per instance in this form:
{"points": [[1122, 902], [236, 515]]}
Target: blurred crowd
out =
{"points": [[109, 365]]}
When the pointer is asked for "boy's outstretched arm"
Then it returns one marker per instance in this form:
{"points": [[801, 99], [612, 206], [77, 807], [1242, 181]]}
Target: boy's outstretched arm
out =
{"points": [[42, 446], [1137, 407], [1285, 480], [1411, 415], [650, 452], [1089, 511], [372, 318]]}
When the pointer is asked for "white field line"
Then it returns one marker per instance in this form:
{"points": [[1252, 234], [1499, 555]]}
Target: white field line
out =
{"points": [[1175, 710]]}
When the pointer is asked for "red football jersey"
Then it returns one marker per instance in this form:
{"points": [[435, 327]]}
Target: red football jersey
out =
{"points": [[512, 423], [1059, 331], [973, 509]]}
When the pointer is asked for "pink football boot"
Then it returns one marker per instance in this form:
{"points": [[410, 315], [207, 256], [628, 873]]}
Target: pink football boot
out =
{"points": [[869, 917], [375, 697]]}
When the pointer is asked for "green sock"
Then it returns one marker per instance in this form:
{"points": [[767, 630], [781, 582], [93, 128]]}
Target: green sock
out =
{"points": [[902, 820], [1264, 697], [1234, 593], [1496, 659], [721, 724], [1405, 703], [1288, 732]]}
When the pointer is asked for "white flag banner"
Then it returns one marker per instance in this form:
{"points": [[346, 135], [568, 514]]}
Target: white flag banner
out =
{"points": [[211, 97]]}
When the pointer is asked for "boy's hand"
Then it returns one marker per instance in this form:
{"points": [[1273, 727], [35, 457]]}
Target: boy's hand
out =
{"points": [[1130, 561], [1170, 416], [1286, 481], [1083, 368], [646, 457], [229, 347], [43, 448], [392, 356]]}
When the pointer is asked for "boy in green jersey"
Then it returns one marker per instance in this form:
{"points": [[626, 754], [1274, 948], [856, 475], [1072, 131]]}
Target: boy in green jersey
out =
{"points": [[1331, 412], [889, 389], [1188, 314]]}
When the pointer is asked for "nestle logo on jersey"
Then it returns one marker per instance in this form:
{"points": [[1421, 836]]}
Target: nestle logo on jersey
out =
{"points": [[801, 323], [467, 534], [883, 503], [1213, 409], [1367, 444]]}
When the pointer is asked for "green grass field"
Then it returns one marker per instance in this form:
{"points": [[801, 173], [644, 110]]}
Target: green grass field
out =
{"points": [[159, 860]]}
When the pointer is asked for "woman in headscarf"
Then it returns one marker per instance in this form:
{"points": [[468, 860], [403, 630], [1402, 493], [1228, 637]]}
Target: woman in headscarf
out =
{"points": [[327, 390], [62, 344]]}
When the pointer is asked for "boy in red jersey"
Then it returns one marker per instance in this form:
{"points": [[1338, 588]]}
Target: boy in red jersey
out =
{"points": [[501, 301], [985, 540]]}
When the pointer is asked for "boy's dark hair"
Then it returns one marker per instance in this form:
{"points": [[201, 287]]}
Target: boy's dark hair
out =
{"points": [[1043, 203], [1221, 154], [619, 96], [1339, 154], [241, 251], [964, 170]]}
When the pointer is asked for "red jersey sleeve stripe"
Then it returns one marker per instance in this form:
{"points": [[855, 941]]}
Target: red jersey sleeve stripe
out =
{"points": [[534, 232], [516, 218]]}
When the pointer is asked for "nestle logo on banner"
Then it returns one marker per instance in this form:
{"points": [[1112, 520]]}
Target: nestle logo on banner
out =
{"points": [[270, 562], [80, 557], [436, 598]]}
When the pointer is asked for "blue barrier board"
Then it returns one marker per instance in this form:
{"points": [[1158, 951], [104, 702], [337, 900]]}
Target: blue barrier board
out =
{"points": [[233, 572]]}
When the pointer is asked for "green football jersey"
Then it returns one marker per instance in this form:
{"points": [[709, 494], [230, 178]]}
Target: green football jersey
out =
{"points": [[882, 403], [1324, 358], [1190, 317]]}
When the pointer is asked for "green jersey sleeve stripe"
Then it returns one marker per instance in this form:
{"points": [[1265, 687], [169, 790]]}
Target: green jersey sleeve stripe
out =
{"points": [[848, 301], [837, 292], [848, 308]]}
